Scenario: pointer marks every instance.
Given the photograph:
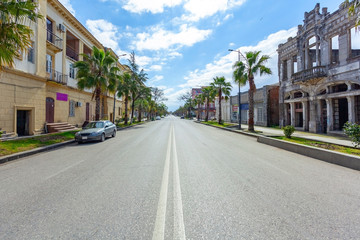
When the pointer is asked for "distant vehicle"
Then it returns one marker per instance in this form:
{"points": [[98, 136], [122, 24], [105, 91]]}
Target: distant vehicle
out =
{"points": [[158, 118], [182, 117], [162, 116], [96, 131]]}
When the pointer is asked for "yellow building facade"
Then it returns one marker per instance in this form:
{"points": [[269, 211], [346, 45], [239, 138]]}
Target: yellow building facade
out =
{"points": [[41, 88]]}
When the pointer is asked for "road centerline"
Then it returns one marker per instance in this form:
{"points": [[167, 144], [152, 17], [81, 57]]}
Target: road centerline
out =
{"points": [[159, 229], [179, 228]]}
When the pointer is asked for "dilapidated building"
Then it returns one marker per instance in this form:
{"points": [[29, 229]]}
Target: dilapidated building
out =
{"points": [[319, 72]]}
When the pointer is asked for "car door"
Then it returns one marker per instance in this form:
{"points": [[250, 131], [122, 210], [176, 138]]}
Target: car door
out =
{"points": [[108, 129]]}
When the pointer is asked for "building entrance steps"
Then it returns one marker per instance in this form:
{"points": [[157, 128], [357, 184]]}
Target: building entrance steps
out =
{"points": [[340, 140], [59, 127]]}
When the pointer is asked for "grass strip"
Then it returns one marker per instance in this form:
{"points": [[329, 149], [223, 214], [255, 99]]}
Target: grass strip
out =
{"points": [[21, 145], [328, 146]]}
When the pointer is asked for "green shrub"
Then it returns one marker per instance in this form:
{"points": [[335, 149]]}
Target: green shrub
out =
{"points": [[1, 133], [352, 130], [288, 131]]}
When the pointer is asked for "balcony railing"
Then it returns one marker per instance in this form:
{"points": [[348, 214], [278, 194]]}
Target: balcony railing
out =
{"points": [[312, 73], [56, 76], [55, 40], [72, 53]]}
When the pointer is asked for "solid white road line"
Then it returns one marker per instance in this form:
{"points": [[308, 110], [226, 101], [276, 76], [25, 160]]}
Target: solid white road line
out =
{"points": [[179, 228], [159, 230]]}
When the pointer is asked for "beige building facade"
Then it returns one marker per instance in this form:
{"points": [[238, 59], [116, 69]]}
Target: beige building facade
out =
{"points": [[41, 88]]}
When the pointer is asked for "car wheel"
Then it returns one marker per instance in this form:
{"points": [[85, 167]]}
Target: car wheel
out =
{"points": [[114, 133], [102, 137]]}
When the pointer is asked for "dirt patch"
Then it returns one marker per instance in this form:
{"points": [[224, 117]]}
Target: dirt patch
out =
{"points": [[324, 145], [51, 138]]}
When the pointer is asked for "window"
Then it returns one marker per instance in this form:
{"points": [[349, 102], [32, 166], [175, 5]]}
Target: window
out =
{"points": [[72, 71], [119, 111], [48, 63], [312, 52], [31, 53], [72, 108], [355, 42], [335, 49], [295, 66]]}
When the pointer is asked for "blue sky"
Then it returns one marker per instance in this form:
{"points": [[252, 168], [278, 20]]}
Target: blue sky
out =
{"points": [[184, 43]]}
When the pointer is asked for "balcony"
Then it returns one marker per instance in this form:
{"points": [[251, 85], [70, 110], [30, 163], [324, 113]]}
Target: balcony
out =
{"points": [[56, 76], [314, 73], [53, 42], [72, 53]]}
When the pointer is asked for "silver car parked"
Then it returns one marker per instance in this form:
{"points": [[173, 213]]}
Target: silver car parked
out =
{"points": [[96, 131]]}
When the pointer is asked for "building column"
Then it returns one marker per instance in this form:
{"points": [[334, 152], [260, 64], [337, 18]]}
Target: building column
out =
{"points": [[330, 119], [292, 113], [351, 108], [317, 53], [305, 116]]}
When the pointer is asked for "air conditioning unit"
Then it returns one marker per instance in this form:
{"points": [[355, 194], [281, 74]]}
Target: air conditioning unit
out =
{"points": [[78, 104], [62, 28]]}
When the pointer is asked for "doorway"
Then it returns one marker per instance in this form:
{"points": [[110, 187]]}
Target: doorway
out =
{"points": [[87, 116], [22, 122], [50, 111], [343, 112]]}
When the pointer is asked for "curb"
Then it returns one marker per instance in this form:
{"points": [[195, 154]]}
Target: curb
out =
{"points": [[33, 151], [231, 130], [341, 159], [123, 128]]}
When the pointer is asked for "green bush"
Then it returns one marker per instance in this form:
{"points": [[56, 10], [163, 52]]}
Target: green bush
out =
{"points": [[352, 130], [1, 133], [288, 131]]}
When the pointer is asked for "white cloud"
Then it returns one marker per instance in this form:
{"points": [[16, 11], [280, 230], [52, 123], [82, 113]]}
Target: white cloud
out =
{"points": [[68, 6], [223, 65], [106, 32], [198, 9], [153, 6], [159, 38], [155, 68]]}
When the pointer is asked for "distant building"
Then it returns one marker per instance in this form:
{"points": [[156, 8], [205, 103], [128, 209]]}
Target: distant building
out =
{"points": [[319, 72], [266, 108], [202, 109], [41, 90]]}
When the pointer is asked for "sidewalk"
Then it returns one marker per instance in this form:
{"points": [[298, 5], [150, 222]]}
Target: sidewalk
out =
{"points": [[267, 131]]}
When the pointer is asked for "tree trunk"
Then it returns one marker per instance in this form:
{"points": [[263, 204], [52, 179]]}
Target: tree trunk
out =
{"points": [[207, 111], [251, 105], [97, 106], [113, 120], [126, 110], [220, 106], [132, 110], [198, 112], [139, 117]]}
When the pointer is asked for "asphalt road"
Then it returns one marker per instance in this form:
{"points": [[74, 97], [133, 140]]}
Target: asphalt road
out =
{"points": [[176, 179]]}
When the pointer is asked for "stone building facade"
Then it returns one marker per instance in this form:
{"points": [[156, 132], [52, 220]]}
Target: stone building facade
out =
{"points": [[41, 88], [266, 108], [319, 72]]}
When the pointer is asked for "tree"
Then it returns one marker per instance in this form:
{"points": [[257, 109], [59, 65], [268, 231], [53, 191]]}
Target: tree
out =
{"points": [[137, 83], [252, 64], [114, 81], [123, 90], [354, 9], [209, 96], [94, 72], [222, 88], [240, 78], [199, 100], [15, 31], [187, 98]]}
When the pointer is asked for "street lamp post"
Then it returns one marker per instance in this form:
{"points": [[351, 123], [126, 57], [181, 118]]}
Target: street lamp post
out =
{"points": [[239, 96]]}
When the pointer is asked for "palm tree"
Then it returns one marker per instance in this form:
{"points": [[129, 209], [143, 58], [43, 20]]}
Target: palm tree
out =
{"points": [[222, 88], [114, 81], [209, 96], [199, 100], [354, 9], [94, 72], [239, 76], [15, 31], [253, 64], [124, 90]]}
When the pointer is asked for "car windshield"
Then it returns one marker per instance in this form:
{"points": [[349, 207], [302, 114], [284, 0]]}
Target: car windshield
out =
{"points": [[95, 125]]}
